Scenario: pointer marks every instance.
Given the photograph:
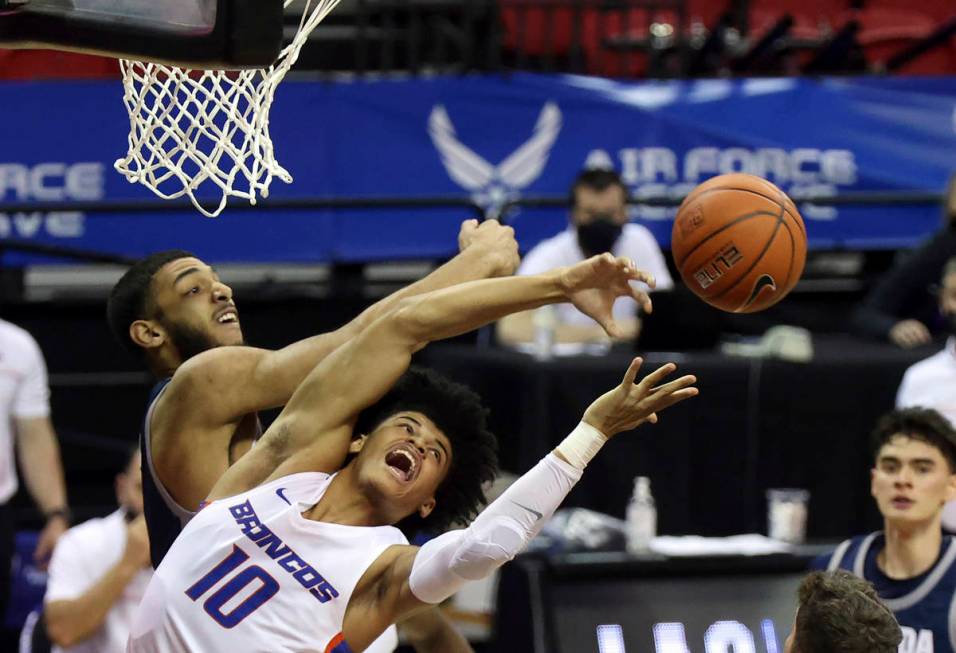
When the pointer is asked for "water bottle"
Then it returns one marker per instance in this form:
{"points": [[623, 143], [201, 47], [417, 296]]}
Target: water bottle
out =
{"points": [[641, 517], [545, 322]]}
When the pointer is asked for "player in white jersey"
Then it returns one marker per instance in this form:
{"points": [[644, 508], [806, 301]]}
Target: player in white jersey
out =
{"points": [[311, 562]]}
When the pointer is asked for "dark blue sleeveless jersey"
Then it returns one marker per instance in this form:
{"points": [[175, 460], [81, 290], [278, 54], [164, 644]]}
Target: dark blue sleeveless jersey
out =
{"points": [[161, 522], [924, 605]]}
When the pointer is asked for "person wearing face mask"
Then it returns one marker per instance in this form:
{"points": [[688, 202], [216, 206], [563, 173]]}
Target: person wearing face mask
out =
{"points": [[98, 574], [899, 308], [598, 223]]}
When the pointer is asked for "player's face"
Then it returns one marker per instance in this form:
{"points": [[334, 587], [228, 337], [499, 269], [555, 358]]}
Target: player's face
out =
{"points": [[195, 307], [591, 204], [406, 458], [911, 481]]}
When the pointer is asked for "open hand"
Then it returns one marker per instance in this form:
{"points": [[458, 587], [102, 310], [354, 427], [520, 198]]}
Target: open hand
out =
{"points": [[631, 404], [594, 284]]}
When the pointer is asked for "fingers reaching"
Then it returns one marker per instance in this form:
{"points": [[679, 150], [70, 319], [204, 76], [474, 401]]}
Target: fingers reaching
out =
{"points": [[657, 377], [632, 370]]}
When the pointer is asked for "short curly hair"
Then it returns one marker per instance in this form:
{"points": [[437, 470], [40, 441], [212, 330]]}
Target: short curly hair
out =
{"points": [[130, 299], [840, 613], [917, 423], [458, 412]]}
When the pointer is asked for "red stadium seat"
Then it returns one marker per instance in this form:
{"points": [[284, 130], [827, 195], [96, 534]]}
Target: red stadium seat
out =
{"points": [[55, 64], [885, 31]]}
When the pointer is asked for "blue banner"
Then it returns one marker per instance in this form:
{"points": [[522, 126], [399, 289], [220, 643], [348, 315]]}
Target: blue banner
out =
{"points": [[493, 139]]}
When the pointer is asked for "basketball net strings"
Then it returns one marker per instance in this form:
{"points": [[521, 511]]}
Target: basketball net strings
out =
{"points": [[189, 127]]}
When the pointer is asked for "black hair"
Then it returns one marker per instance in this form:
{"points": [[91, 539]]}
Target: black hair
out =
{"points": [[917, 423], [597, 179], [131, 297], [459, 413]]}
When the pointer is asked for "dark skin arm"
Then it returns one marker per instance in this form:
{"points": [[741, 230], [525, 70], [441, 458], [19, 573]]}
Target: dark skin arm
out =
{"points": [[202, 420]]}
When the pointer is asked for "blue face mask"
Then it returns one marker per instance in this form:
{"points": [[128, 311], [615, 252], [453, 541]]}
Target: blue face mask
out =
{"points": [[599, 235]]}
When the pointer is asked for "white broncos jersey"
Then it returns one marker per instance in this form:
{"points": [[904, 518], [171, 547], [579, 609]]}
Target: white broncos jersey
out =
{"points": [[250, 574]]}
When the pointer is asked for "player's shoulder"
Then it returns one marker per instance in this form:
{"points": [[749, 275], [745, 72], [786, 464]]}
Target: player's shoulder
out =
{"points": [[928, 365], [210, 370], [843, 554], [16, 339]]}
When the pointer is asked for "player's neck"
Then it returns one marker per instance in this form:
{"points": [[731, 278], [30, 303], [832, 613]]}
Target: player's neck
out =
{"points": [[343, 504], [163, 365], [909, 549]]}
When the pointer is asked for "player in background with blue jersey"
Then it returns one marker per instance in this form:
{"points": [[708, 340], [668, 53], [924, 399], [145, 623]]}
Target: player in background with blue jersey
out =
{"points": [[911, 562]]}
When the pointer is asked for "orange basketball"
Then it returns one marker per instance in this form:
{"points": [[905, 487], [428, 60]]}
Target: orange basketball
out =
{"points": [[739, 243]]}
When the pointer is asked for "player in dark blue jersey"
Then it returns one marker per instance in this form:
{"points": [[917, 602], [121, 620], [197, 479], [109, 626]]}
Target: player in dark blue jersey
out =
{"points": [[911, 562], [172, 309]]}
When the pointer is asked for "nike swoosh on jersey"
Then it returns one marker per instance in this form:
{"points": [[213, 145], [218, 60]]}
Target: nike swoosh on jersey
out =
{"points": [[537, 515], [281, 493]]}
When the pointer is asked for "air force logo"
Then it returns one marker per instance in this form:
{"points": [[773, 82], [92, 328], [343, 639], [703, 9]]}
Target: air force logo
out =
{"points": [[491, 186]]}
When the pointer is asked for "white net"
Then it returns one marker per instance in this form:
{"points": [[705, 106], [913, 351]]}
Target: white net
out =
{"points": [[206, 132]]}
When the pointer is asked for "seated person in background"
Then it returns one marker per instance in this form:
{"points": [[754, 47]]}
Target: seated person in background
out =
{"points": [[831, 605], [900, 307], [911, 563], [932, 381], [599, 224], [98, 574]]}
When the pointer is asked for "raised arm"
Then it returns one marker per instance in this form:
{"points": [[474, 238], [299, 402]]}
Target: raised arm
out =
{"points": [[316, 423], [405, 579], [200, 412], [487, 250]]}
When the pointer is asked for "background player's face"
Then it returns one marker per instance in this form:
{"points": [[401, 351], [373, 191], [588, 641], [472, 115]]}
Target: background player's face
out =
{"points": [[195, 307], [590, 204], [404, 460], [129, 487], [911, 481]]}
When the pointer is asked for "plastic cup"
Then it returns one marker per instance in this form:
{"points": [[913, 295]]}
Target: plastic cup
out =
{"points": [[787, 514]]}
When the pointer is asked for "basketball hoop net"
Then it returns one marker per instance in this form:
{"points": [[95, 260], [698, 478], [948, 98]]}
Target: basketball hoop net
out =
{"points": [[190, 129]]}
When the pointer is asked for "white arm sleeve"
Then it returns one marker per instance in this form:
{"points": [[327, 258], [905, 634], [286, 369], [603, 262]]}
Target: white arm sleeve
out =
{"points": [[496, 536]]}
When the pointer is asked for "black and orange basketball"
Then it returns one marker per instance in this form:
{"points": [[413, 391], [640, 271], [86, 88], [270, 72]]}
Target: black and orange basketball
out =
{"points": [[739, 243]]}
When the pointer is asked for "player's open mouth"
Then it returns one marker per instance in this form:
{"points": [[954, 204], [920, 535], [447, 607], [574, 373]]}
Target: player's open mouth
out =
{"points": [[902, 503], [404, 461], [227, 316]]}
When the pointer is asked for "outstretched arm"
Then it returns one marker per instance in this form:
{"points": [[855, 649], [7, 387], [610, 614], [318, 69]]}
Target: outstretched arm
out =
{"points": [[316, 423], [242, 380], [410, 578]]}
